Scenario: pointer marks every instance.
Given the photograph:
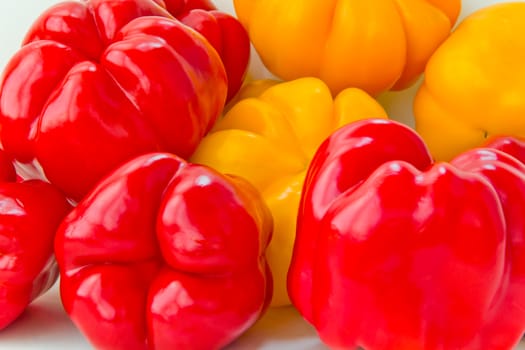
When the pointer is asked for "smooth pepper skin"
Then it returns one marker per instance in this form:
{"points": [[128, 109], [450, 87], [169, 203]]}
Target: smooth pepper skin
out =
{"points": [[223, 31], [98, 82], [474, 86], [396, 251], [375, 45], [164, 254], [268, 137], [30, 213], [176, 7]]}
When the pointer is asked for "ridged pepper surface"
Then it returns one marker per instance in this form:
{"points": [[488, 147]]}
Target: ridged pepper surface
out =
{"points": [[375, 45], [30, 213], [395, 251], [163, 254], [474, 85]]}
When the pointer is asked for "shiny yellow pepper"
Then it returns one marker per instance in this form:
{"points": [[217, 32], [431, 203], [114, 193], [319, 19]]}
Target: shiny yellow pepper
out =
{"points": [[269, 137], [474, 84], [375, 45]]}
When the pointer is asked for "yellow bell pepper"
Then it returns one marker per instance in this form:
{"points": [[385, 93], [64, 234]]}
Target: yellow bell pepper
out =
{"points": [[474, 84], [375, 45], [269, 137]]}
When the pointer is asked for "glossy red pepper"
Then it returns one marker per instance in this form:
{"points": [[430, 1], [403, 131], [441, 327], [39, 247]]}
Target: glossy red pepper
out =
{"points": [[228, 37], [510, 145], [177, 7], [223, 31], [164, 254], [30, 213], [394, 251], [98, 82]]}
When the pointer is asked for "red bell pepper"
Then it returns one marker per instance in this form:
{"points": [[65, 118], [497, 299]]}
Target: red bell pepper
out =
{"points": [[30, 213], [228, 37], [163, 254], [98, 82], [394, 251], [7, 170], [510, 145], [224, 32], [177, 7]]}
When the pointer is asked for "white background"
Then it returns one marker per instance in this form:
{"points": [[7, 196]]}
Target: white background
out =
{"points": [[45, 325]]}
